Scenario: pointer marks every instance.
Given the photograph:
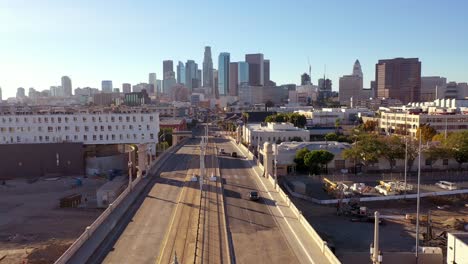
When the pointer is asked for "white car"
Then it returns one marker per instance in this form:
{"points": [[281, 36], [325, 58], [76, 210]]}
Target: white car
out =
{"points": [[447, 185]]}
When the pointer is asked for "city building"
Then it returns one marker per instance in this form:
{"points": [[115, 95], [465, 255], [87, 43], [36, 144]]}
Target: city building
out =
{"points": [[152, 84], [303, 94], [168, 76], [256, 69], [266, 72], [207, 68], [257, 134], [243, 72], [180, 93], [350, 86], [168, 66], [199, 78], [191, 72], [67, 86], [233, 79], [174, 123], [455, 90], [357, 71], [105, 99], [215, 89], [324, 89], [223, 73], [181, 73], [126, 88], [106, 86], [90, 125], [137, 98], [20, 93], [1, 98], [305, 79], [399, 78], [140, 87], [432, 87]]}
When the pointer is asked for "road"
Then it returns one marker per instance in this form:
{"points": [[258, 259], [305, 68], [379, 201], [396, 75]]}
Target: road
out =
{"points": [[145, 230], [256, 235]]}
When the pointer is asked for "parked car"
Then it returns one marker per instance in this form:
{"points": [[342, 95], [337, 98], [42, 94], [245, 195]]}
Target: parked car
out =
{"points": [[447, 185], [253, 196], [234, 154]]}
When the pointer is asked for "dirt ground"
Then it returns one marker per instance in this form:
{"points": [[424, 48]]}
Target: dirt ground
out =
{"points": [[33, 228], [398, 234]]}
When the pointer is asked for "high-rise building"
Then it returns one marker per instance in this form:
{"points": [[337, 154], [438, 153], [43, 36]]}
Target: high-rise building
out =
{"points": [[126, 88], [67, 86], [181, 73], [399, 78], [199, 78], [324, 88], [159, 87], [207, 68], [106, 86], [350, 86], [266, 72], [223, 73], [305, 79], [433, 87], [1, 98], [256, 69], [168, 67], [243, 73], [152, 83], [20, 92], [215, 90], [455, 90], [233, 79], [191, 72]]}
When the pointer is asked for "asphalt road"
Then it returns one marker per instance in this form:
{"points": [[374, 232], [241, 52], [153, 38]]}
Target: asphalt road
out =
{"points": [[256, 236], [145, 230]]}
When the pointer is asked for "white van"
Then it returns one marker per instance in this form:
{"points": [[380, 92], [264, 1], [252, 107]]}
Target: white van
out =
{"points": [[447, 185]]}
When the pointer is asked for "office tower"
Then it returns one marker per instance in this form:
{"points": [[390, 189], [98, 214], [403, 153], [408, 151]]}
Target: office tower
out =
{"points": [[106, 86], [233, 79], [168, 84], [243, 73], [152, 84], [357, 71], [168, 67], [32, 93], [191, 72], [256, 69], [399, 78], [159, 86], [126, 88], [324, 88], [181, 73], [266, 72], [116, 90], [207, 68], [455, 90], [1, 98], [67, 86], [20, 93], [350, 86], [433, 87], [223, 73], [305, 79], [199, 76], [215, 90]]}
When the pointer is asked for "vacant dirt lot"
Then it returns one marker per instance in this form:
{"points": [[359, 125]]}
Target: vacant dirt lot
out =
{"points": [[33, 228]]}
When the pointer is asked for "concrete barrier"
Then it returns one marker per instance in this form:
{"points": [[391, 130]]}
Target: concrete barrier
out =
{"points": [[85, 245]]}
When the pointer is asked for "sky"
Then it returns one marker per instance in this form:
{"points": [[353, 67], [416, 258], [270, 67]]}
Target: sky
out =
{"points": [[123, 41]]}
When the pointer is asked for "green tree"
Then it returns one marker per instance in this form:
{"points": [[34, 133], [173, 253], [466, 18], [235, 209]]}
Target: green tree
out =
{"points": [[367, 150], [245, 117], [316, 160], [297, 120], [457, 145], [165, 135], [393, 149], [299, 159], [331, 137], [269, 103], [434, 153], [370, 125], [427, 133], [297, 139], [337, 124]]}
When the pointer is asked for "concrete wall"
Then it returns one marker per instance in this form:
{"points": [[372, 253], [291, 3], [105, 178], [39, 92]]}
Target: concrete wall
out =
{"points": [[98, 165], [37, 160]]}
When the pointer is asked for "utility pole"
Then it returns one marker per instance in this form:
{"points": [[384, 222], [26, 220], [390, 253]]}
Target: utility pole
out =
{"points": [[406, 158], [375, 253], [275, 153], [418, 198]]}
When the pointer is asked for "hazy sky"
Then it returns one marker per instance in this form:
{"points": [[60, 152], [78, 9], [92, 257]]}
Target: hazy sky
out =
{"points": [[123, 41]]}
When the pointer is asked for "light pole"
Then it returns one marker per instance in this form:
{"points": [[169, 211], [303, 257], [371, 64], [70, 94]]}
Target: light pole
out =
{"points": [[375, 253], [275, 172], [406, 158], [418, 198], [130, 164]]}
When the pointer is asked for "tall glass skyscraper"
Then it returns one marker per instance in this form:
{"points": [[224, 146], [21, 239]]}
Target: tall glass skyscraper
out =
{"points": [[191, 71], [243, 71], [207, 68], [223, 73], [181, 73]]}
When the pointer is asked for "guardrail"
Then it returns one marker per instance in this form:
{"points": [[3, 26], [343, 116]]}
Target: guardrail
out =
{"points": [[89, 231], [326, 251]]}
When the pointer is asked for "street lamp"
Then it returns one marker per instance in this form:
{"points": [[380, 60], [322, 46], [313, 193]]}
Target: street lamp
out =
{"points": [[130, 164], [275, 153]]}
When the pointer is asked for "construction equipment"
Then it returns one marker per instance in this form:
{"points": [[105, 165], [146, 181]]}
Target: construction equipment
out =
{"points": [[330, 186]]}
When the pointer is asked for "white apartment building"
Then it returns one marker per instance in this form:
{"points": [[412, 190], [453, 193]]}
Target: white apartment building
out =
{"points": [[90, 126], [258, 134], [396, 121]]}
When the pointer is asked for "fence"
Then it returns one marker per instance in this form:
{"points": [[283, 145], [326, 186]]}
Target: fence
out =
{"points": [[90, 230]]}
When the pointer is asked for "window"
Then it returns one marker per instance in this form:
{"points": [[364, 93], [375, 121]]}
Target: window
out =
{"points": [[134, 118], [86, 128], [47, 138], [120, 118], [112, 119], [40, 138], [445, 162], [95, 128], [84, 119], [147, 127], [59, 119], [113, 137], [67, 128], [127, 119], [50, 129], [39, 129], [101, 137], [142, 119], [121, 137], [77, 129], [75, 137], [67, 137], [93, 119], [102, 128], [151, 118], [151, 136], [94, 137], [130, 127], [139, 127], [85, 138], [109, 128]]}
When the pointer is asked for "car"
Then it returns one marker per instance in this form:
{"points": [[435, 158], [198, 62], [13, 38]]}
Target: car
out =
{"points": [[234, 154], [253, 196], [222, 151]]}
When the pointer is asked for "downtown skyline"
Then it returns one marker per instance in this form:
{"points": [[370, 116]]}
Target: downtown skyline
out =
{"points": [[36, 52]]}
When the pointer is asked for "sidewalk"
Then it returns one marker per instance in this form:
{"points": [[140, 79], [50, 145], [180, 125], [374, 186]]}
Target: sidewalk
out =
{"points": [[290, 220]]}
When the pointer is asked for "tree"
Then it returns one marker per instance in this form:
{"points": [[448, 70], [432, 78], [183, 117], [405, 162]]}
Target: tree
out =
{"points": [[343, 138], [331, 137], [427, 133], [337, 124], [367, 150], [393, 149], [370, 125], [297, 120], [269, 103], [165, 134], [434, 153], [316, 160], [245, 117], [299, 159], [457, 145], [412, 152]]}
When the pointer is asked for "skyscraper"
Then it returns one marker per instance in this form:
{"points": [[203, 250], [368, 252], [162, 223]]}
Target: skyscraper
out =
{"points": [[126, 88], [256, 69], [207, 68], [266, 72], [350, 86], [199, 78], [399, 78], [20, 92], [67, 86], [191, 72], [357, 71], [215, 90], [233, 79], [106, 86], [181, 73], [152, 83], [243, 73], [433, 87], [305, 79], [1, 98], [223, 73], [168, 76], [168, 67]]}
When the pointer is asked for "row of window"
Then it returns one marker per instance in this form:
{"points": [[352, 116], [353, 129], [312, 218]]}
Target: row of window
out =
{"points": [[76, 138], [268, 139], [75, 119], [68, 128]]}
